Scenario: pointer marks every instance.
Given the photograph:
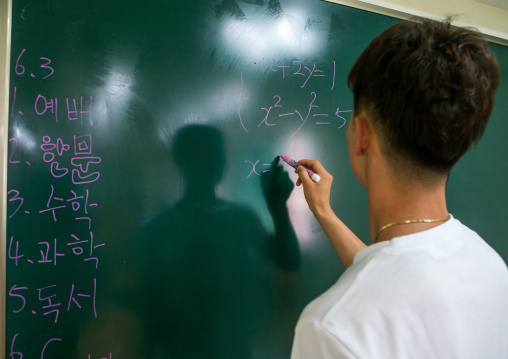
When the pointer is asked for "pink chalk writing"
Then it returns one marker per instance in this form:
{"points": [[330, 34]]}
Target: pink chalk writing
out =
{"points": [[76, 297], [54, 208], [73, 298], [46, 255], [69, 158], [19, 69], [283, 67], [296, 117], [265, 120], [15, 141], [45, 66], [51, 105], [14, 101], [83, 246], [74, 112], [76, 108], [80, 202], [77, 246], [311, 105], [47, 146], [83, 159], [254, 170], [312, 72], [297, 72], [338, 112], [48, 298], [22, 298], [300, 69], [16, 255], [15, 197], [19, 355], [15, 147], [270, 113], [269, 65]]}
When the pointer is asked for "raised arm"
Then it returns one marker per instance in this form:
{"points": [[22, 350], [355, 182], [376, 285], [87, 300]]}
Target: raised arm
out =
{"points": [[317, 195]]}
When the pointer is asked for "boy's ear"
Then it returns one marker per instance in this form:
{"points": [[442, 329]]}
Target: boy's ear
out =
{"points": [[363, 133]]}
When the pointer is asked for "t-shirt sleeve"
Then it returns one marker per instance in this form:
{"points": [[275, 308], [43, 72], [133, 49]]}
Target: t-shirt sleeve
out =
{"points": [[312, 341]]}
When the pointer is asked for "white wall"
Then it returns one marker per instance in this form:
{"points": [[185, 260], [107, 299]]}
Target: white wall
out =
{"points": [[488, 19]]}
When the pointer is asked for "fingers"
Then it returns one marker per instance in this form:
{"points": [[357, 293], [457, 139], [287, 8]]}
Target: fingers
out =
{"points": [[317, 194], [313, 165], [303, 176]]}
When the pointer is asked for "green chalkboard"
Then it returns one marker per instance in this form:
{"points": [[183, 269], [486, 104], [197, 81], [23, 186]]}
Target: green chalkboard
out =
{"points": [[148, 215]]}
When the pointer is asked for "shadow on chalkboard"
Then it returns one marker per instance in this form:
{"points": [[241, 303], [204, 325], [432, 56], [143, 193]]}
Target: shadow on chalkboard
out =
{"points": [[207, 289]]}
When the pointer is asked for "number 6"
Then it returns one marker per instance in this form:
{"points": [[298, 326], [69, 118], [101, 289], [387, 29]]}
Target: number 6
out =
{"points": [[18, 65]]}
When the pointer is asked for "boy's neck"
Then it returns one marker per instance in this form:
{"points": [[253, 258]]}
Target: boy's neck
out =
{"points": [[392, 203]]}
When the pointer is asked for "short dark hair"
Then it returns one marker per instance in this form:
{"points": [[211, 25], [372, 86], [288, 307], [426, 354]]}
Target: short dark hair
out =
{"points": [[429, 88]]}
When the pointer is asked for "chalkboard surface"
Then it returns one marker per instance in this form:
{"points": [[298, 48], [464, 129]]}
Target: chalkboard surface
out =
{"points": [[148, 214]]}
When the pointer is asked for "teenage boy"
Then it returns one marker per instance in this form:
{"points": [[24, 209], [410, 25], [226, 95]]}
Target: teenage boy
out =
{"points": [[428, 286]]}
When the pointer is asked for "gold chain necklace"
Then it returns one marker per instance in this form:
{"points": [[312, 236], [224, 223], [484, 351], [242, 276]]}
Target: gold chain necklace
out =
{"points": [[409, 221]]}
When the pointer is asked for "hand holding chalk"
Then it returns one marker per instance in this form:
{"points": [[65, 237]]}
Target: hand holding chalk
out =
{"points": [[314, 176], [317, 195]]}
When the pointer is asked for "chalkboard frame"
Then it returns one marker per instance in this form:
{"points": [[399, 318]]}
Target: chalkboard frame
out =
{"points": [[382, 9], [5, 49]]}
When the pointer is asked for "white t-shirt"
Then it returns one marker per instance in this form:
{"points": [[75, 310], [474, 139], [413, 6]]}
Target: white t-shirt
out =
{"points": [[440, 293]]}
